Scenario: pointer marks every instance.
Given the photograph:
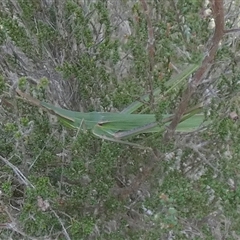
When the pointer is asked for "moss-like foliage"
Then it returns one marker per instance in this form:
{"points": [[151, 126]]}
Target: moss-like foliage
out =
{"points": [[58, 183]]}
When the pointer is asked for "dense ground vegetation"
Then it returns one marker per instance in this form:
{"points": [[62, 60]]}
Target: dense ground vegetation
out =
{"points": [[58, 183]]}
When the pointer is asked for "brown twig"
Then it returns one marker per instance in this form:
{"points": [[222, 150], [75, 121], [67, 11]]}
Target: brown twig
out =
{"points": [[232, 30], [151, 39], [217, 6], [150, 48], [147, 171]]}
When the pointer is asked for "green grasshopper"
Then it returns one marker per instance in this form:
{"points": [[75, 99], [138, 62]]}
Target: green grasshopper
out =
{"points": [[117, 127]]}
